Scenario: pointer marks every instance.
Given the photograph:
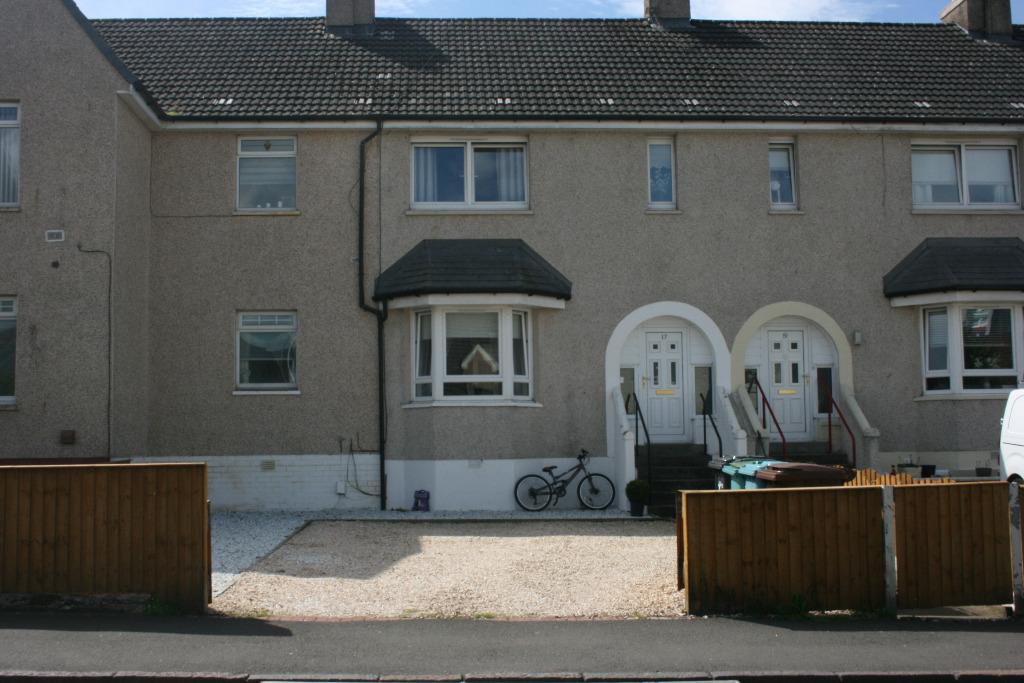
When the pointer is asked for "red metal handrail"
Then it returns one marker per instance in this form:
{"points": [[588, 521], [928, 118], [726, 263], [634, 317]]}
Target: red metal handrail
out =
{"points": [[853, 441], [766, 409]]}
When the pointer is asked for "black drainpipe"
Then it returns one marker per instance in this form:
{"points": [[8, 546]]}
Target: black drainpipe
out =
{"points": [[381, 313]]}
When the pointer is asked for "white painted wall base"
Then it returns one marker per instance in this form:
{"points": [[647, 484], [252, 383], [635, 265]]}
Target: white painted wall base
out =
{"points": [[288, 482], [480, 484]]}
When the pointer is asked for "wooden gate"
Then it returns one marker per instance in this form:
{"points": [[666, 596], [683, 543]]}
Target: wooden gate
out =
{"points": [[106, 529], [953, 544]]}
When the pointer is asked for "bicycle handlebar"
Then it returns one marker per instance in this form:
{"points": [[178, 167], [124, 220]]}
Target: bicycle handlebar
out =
{"points": [[584, 455]]}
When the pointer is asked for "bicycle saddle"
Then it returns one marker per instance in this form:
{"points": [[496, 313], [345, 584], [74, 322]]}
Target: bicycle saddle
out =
{"points": [[549, 468]]}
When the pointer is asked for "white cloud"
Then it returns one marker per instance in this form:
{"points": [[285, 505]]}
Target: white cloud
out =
{"points": [[779, 10], [276, 8], [401, 8]]}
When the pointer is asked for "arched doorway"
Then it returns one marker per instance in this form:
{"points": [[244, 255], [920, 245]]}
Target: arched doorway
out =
{"points": [[668, 353]]}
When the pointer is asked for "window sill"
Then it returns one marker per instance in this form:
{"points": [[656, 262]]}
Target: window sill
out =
{"points": [[662, 212], [267, 213], [8, 406], [270, 392], [469, 212], [785, 212], [10, 209], [966, 211], [503, 403], [980, 396]]}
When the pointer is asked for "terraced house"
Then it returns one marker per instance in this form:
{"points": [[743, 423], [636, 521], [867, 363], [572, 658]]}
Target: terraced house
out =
{"points": [[347, 256]]}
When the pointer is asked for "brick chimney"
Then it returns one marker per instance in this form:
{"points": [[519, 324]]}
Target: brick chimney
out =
{"points": [[350, 16], [984, 17], [668, 11]]}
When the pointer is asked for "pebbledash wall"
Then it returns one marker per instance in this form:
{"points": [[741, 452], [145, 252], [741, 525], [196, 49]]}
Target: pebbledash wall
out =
{"points": [[185, 264]]}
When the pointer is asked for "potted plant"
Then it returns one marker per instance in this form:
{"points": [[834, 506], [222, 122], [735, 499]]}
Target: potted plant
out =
{"points": [[638, 492]]}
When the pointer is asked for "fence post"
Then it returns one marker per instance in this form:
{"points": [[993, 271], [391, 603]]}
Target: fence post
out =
{"points": [[1016, 553], [889, 528]]}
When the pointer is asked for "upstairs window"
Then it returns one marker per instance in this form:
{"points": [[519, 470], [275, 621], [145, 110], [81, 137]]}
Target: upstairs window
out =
{"points": [[965, 176], [10, 154], [782, 185], [468, 175], [661, 184], [8, 346], [266, 351], [266, 174]]}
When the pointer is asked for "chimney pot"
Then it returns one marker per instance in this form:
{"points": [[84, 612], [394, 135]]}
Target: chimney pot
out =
{"points": [[987, 17], [671, 10], [350, 15]]}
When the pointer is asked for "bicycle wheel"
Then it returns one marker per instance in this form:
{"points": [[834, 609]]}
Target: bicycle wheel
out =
{"points": [[533, 493], [596, 492]]}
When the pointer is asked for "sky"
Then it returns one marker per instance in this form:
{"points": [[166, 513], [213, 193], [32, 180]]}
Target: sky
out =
{"points": [[800, 10]]}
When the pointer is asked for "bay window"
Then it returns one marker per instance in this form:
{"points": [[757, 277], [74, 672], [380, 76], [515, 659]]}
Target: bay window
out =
{"points": [[466, 175], [8, 347], [480, 354], [971, 348], [10, 154], [965, 176]]}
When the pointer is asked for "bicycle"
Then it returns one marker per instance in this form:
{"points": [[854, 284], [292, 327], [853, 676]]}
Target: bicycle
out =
{"points": [[595, 491]]}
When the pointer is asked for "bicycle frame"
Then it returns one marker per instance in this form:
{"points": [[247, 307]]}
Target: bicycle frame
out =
{"points": [[562, 481]]}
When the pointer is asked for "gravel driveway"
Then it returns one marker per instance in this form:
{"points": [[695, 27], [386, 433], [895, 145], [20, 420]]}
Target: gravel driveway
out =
{"points": [[465, 569]]}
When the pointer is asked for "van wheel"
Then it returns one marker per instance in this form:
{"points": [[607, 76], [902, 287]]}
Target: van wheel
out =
{"points": [[1015, 479]]}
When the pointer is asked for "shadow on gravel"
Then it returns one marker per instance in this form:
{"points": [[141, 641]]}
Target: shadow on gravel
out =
{"points": [[140, 624]]}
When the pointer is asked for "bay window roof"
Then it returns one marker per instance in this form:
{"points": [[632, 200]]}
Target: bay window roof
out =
{"points": [[949, 264], [472, 266]]}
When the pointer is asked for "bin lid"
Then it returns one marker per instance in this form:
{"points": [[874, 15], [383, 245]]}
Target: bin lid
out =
{"points": [[752, 467], [804, 473], [733, 466]]}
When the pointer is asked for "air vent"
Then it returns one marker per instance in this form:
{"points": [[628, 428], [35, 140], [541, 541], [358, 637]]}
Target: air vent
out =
{"points": [[268, 465], [54, 235]]}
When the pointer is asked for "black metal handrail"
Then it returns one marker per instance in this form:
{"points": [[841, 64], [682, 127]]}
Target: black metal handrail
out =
{"points": [[834, 407], [766, 410], [714, 425], [639, 421]]}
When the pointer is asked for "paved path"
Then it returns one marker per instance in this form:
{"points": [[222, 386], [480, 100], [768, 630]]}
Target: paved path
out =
{"points": [[81, 642]]}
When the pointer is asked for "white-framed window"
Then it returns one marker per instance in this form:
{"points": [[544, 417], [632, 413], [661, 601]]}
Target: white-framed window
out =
{"points": [[481, 353], [10, 154], [824, 383], [976, 176], [661, 174], [782, 175], [266, 351], [8, 348], [971, 348], [267, 175], [469, 175]]}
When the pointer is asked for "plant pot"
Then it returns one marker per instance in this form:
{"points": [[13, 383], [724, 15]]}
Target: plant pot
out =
{"points": [[636, 508]]}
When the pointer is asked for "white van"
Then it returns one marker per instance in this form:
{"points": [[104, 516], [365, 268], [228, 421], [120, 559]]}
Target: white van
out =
{"points": [[1011, 443]]}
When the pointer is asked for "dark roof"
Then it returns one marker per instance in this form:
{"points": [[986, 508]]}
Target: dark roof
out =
{"points": [[957, 264], [571, 69], [472, 267]]}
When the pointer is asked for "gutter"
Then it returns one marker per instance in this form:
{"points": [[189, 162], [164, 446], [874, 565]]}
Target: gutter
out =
{"points": [[380, 313]]}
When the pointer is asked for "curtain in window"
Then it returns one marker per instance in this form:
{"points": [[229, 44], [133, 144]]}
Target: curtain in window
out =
{"points": [[661, 173], [990, 176], [938, 340], [10, 152], [266, 183], [500, 174], [935, 178], [439, 174]]}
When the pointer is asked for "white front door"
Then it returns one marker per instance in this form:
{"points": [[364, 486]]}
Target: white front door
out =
{"points": [[786, 390], [664, 384]]}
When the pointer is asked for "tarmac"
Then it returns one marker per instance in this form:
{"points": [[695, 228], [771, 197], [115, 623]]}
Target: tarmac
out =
{"points": [[42, 646]]}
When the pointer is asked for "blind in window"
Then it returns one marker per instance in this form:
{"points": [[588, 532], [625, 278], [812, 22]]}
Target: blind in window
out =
{"points": [[938, 340], [10, 153]]}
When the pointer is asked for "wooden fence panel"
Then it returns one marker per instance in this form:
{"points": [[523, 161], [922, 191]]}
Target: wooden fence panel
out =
{"points": [[874, 478], [106, 529], [781, 549], [953, 545]]}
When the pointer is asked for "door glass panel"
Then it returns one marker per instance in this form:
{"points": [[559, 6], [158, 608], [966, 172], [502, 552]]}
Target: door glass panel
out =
{"points": [[796, 373], [777, 346], [674, 379], [778, 373], [702, 385], [795, 346], [655, 373], [824, 390]]}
